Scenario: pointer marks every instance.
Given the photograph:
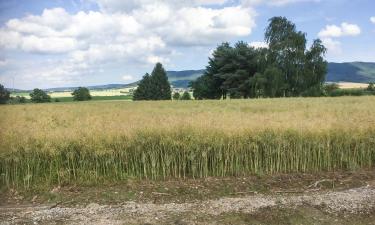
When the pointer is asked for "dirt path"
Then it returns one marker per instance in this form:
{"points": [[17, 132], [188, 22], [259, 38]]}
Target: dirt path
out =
{"points": [[339, 206]]}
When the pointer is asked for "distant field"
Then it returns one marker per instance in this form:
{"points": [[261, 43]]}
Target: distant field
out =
{"points": [[95, 142], [63, 94], [347, 85]]}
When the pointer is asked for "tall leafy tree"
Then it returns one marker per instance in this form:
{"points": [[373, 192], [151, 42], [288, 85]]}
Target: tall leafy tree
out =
{"points": [[39, 96], [81, 94], [4, 95], [315, 70], [302, 70]]}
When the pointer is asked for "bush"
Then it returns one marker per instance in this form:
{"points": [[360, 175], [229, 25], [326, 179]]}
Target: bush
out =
{"points": [[329, 88], [4, 95], [81, 94], [39, 96], [17, 100], [186, 96], [176, 96]]}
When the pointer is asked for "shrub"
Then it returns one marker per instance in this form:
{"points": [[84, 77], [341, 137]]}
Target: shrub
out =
{"points": [[329, 88], [17, 100]]}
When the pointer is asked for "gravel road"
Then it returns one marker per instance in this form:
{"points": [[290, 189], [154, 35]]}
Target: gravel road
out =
{"points": [[357, 201]]}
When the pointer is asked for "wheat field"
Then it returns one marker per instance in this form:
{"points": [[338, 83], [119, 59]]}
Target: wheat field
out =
{"points": [[95, 142]]}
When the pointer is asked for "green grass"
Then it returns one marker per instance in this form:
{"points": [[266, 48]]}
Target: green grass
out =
{"points": [[96, 98], [97, 142]]}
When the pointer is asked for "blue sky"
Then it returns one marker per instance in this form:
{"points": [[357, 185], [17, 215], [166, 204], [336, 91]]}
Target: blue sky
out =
{"points": [[55, 43]]}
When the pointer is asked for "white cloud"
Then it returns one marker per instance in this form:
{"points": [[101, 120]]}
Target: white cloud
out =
{"points": [[372, 19], [130, 5], [258, 44], [127, 77], [122, 33], [333, 46], [274, 2], [3, 62], [346, 29]]}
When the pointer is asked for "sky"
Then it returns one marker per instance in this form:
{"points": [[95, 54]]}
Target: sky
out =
{"points": [[63, 43]]}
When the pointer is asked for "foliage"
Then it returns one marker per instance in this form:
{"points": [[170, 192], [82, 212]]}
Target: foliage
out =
{"points": [[4, 95], [154, 86], [176, 96], [186, 96], [17, 100], [351, 92], [39, 96], [330, 88], [81, 94], [285, 68], [371, 87]]}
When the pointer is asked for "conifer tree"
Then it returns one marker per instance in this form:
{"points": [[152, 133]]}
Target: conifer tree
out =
{"points": [[155, 86]]}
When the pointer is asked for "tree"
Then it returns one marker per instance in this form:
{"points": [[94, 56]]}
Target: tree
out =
{"points": [[285, 68], [303, 70], [210, 84], [39, 96], [176, 96], [371, 87], [154, 87], [81, 94], [4, 95], [161, 89], [186, 96], [143, 91]]}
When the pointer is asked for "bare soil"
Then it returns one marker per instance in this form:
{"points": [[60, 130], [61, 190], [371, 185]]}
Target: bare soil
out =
{"points": [[330, 198]]}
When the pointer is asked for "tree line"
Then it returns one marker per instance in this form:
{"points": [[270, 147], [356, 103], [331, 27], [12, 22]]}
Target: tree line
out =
{"points": [[286, 68], [40, 96]]}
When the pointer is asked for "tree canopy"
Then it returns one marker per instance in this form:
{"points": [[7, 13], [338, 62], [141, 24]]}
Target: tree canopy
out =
{"points": [[39, 96], [155, 86], [81, 94], [186, 96], [176, 96], [285, 68], [4, 95]]}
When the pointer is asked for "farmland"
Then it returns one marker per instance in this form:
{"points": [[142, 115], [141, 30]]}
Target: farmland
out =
{"points": [[93, 142]]}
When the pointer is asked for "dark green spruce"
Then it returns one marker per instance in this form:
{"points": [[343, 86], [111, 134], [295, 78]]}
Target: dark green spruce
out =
{"points": [[155, 86]]}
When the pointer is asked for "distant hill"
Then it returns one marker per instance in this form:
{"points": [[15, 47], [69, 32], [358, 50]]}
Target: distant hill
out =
{"points": [[181, 79], [356, 72]]}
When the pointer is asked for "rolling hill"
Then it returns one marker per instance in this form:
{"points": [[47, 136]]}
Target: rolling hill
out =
{"points": [[356, 72]]}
